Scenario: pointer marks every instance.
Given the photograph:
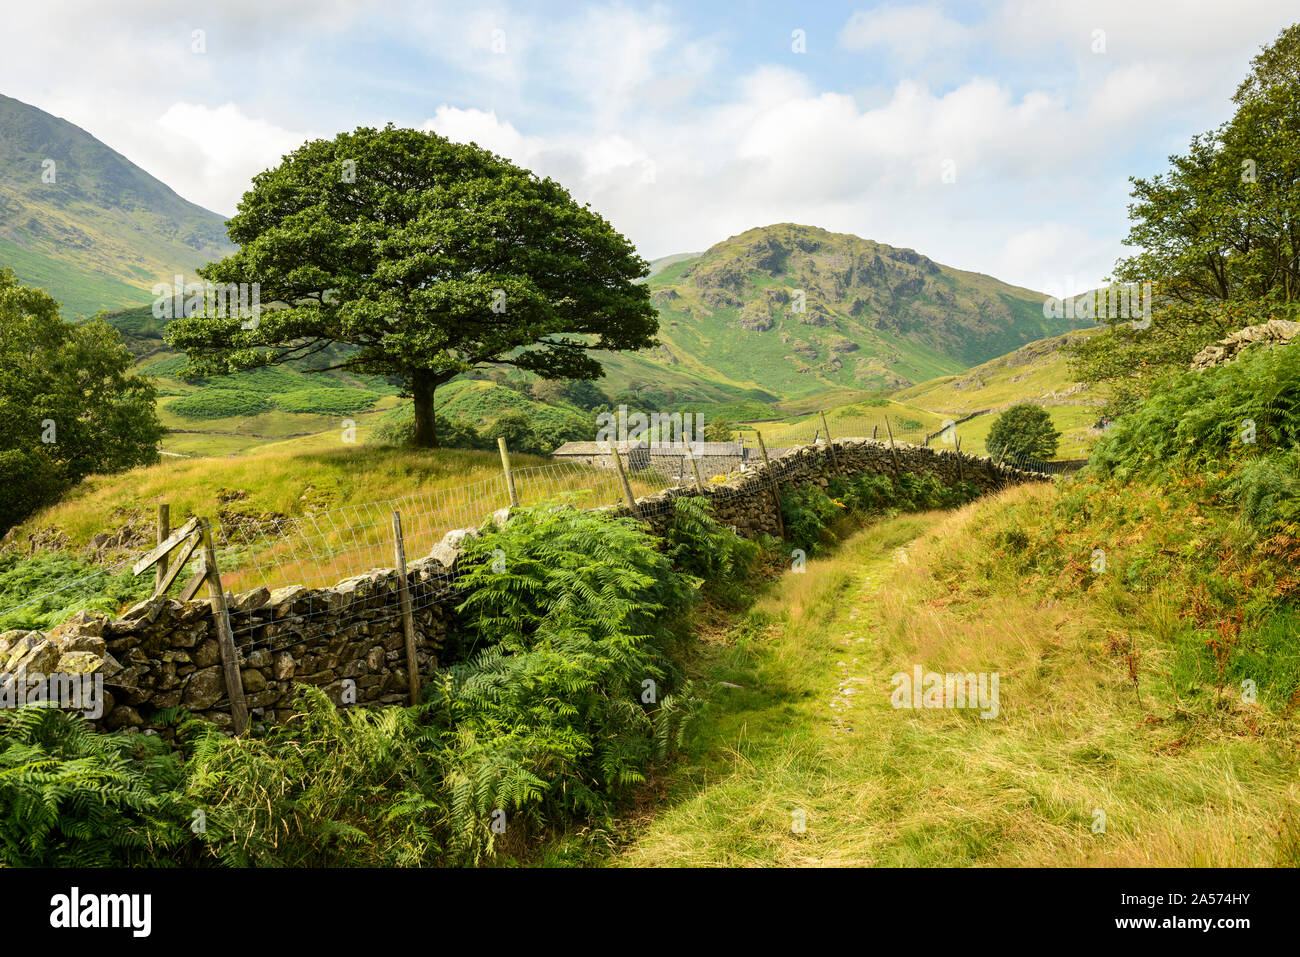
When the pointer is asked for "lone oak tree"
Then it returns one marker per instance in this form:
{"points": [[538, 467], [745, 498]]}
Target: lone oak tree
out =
{"points": [[1023, 431], [422, 259]]}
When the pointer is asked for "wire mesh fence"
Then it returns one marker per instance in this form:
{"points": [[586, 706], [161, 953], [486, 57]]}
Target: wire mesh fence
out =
{"points": [[321, 549], [780, 435]]}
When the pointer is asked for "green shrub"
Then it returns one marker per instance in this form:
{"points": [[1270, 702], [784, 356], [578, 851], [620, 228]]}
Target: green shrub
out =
{"points": [[811, 515], [868, 494], [65, 586], [72, 797], [357, 787], [808, 514], [214, 403], [1209, 417], [699, 546], [1266, 489], [325, 401], [565, 700], [1023, 432]]}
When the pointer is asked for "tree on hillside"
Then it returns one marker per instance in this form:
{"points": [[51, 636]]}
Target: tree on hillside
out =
{"points": [[1219, 234], [1223, 223], [69, 406], [1278, 64], [1023, 432], [427, 258], [576, 392], [719, 430]]}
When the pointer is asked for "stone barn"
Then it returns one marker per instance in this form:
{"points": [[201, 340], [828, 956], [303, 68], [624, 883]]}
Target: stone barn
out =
{"points": [[713, 458], [636, 455]]}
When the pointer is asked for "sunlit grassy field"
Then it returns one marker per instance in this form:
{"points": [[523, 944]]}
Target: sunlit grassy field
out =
{"points": [[1082, 766], [314, 511]]}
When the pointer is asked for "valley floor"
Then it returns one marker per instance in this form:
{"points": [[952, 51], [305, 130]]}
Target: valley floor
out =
{"points": [[1079, 768]]}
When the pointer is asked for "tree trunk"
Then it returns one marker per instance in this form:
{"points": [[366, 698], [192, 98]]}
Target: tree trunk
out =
{"points": [[423, 384]]}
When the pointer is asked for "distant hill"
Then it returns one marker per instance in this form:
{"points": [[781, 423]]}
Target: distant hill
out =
{"points": [[663, 262], [1037, 373], [93, 229], [873, 316]]}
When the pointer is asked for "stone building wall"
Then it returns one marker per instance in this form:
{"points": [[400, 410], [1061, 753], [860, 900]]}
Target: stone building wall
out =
{"points": [[349, 638]]}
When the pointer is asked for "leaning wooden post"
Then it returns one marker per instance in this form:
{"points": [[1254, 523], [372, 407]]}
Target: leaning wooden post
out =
{"points": [[892, 452], [225, 637], [404, 596], [164, 530], [695, 467], [627, 486], [776, 492], [835, 459], [505, 467], [961, 474]]}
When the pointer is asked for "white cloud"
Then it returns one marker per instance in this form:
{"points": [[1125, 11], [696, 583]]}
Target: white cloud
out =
{"points": [[909, 34], [673, 130], [211, 154]]}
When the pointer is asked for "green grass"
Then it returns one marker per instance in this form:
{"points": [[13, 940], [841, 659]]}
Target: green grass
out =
{"points": [[80, 291], [218, 404], [856, 297], [289, 482], [1185, 778], [335, 401], [1037, 373], [854, 420]]}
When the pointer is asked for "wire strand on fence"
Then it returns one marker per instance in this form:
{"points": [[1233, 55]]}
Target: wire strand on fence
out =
{"points": [[322, 549]]}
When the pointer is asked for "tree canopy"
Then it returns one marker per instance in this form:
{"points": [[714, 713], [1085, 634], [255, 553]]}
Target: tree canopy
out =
{"points": [[1218, 234], [68, 405], [1023, 432], [423, 259]]}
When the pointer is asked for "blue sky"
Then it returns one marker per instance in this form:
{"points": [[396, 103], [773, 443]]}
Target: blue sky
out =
{"points": [[992, 136]]}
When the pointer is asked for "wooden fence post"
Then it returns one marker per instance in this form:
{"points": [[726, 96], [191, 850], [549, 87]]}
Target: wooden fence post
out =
{"points": [[627, 486], [835, 459], [505, 467], [776, 493], [961, 473], [695, 467], [225, 637], [892, 452], [164, 530], [408, 619]]}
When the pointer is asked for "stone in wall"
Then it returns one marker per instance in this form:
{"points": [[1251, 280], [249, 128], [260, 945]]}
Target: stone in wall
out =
{"points": [[164, 654]]}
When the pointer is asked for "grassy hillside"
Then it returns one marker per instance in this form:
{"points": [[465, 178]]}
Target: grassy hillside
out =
{"points": [[101, 231], [247, 411], [854, 420], [874, 316], [878, 318], [1144, 622], [1185, 771], [81, 291], [1036, 373]]}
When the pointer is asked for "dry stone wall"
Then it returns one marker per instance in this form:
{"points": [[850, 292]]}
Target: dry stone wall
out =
{"points": [[349, 640]]}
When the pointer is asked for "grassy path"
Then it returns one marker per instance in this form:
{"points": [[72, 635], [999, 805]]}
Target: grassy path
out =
{"points": [[810, 734]]}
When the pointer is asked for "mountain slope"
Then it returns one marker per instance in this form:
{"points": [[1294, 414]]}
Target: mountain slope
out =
{"points": [[92, 228], [1037, 374], [872, 316]]}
